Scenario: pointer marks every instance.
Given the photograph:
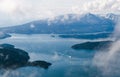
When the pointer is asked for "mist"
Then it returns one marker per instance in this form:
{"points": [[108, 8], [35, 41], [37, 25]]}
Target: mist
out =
{"points": [[108, 60]]}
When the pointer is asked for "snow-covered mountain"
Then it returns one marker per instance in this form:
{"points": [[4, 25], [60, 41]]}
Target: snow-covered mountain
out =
{"points": [[66, 24], [111, 16]]}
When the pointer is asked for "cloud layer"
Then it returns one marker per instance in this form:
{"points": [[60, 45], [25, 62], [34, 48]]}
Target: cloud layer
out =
{"points": [[20, 11]]}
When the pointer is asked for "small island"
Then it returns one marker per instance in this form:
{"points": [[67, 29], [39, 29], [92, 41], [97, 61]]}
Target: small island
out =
{"points": [[99, 45], [12, 58]]}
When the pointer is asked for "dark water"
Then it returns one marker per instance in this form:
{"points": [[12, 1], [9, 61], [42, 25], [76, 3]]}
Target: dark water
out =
{"points": [[66, 62]]}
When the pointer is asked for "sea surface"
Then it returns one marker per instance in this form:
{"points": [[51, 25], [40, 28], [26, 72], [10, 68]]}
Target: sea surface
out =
{"points": [[66, 62]]}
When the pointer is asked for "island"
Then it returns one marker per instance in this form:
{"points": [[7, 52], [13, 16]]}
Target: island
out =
{"points": [[91, 36], [98, 45], [13, 58]]}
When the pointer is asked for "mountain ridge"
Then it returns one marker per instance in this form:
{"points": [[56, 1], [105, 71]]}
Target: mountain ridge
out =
{"points": [[69, 24]]}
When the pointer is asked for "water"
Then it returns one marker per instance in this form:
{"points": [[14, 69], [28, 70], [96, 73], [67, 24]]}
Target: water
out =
{"points": [[66, 62]]}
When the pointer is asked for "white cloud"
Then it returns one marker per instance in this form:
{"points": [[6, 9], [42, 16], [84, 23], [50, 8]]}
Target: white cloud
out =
{"points": [[4, 6], [102, 6]]}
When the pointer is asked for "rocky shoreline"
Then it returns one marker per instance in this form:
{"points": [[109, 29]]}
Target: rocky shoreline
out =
{"points": [[13, 58]]}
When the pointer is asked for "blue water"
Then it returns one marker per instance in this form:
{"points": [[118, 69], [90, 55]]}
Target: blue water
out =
{"points": [[66, 62]]}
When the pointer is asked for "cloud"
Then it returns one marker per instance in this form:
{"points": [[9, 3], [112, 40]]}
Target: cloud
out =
{"points": [[14, 12], [102, 6]]}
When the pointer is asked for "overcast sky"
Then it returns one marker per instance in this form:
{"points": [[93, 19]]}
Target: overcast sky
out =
{"points": [[14, 12]]}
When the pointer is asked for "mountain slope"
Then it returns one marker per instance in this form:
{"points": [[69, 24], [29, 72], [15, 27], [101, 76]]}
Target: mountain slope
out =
{"points": [[65, 24]]}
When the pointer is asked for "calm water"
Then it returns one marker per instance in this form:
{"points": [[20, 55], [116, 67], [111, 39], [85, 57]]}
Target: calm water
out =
{"points": [[66, 62]]}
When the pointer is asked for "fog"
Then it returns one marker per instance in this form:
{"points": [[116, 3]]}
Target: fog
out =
{"points": [[108, 60]]}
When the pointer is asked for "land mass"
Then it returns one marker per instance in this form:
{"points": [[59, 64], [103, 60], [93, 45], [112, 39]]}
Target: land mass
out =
{"points": [[4, 35], [13, 58], [86, 36], [99, 45], [65, 24]]}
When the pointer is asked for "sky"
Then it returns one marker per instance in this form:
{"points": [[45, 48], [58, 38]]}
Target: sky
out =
{"points": [[13, 12]]}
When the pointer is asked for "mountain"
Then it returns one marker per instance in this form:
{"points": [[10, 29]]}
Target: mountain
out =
{"points": [[65, 24], [4, 35], [111, 16]]}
